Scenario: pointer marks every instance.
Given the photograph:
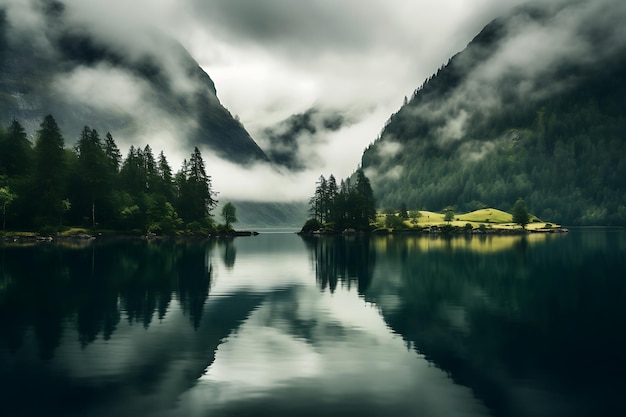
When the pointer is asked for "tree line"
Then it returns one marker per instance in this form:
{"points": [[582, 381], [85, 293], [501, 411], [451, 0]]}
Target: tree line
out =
{"points": [[44, 185], [344, 206]]}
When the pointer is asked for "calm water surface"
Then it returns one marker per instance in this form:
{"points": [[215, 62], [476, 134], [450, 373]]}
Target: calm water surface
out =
{"points": [[281, 325]]}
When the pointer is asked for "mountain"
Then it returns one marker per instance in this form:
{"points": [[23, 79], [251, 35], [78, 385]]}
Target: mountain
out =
{"points": [[291, 141], [533, 107], [143, 87]]}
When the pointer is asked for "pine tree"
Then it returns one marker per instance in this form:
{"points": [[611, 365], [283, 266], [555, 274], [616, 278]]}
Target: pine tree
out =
{"points": [[331, 196], [48, 181], [94, 170], [114, 156], [363, 204], [196, 197], [15, 151], [165, 178], [132, 172], [150, 169]]}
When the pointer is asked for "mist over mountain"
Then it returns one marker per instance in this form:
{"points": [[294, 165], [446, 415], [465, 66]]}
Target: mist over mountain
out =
{"points": [[135, 82], [532, 108], [293, 142]]}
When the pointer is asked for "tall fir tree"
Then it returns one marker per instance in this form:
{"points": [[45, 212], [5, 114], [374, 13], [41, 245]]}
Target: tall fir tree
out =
{"points": [[94, 173], [49, 174], [15, 151], [165, 178], [196, 196], [364, 204], [113, 154]]}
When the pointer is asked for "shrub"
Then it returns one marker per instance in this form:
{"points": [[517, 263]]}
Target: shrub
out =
{"points": [[311, 225]]}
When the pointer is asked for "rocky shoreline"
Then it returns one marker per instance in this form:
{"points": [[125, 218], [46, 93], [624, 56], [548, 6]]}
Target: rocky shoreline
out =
{"points": [[86, 237]]}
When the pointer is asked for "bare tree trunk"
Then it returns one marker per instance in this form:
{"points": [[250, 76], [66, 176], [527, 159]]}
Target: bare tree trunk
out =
{"points": [[93, 214]]}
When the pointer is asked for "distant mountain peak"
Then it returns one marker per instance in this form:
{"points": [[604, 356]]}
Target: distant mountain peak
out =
{"points": [[82, 77]]}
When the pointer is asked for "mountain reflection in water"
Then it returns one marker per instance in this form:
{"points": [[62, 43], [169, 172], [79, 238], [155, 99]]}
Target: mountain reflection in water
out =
{"points": [[282, 325]]}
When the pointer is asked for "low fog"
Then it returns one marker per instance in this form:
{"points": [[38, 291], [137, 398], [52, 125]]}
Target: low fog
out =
{"points": [[273, 59], [531, 52]]}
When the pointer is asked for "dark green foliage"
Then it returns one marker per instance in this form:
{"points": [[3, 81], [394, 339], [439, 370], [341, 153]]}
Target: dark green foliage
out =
{"points": [[394, 222], [165, 180], [563, 152], [112, 152], [520, 213], [94, 175], [6, 198], [404, 212], [196, 198], [91, 185], [229, 214], [48, 186], [345, 206], [448, 214], [311, 225], [15, 151]]}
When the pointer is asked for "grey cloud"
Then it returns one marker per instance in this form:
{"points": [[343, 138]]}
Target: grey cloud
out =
{"points": [[272, 58], [529, 61], [293, 143], [313, 25]]}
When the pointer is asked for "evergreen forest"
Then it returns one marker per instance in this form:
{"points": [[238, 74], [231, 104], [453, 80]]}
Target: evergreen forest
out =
{"points": [[336, 207], [45, 186], [556, 141]]}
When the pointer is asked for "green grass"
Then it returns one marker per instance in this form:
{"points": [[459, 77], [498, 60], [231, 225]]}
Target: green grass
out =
{"points": [[489, 217]]}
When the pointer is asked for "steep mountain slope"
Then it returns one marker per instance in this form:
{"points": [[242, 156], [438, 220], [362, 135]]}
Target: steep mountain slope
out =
{"points": [[142, 90], [532, 108]]}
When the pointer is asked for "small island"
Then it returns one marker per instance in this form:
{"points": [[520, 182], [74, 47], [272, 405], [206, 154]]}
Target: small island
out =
{"points": [[347, 209]]}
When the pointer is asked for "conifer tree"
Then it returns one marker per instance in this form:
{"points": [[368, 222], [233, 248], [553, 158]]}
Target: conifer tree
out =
{"points": [[196, 197], [165, 178], [114, 156], [364, 204], [94, 171], [15, 151], [48, 181]]}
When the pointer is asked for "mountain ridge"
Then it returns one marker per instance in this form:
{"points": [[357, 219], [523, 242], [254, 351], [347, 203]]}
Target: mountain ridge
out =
{"points": [[493, 125], [74, 62]]}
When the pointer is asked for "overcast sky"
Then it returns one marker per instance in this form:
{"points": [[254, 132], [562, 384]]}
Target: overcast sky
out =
{"points": [[270, 59], [273, 58]]}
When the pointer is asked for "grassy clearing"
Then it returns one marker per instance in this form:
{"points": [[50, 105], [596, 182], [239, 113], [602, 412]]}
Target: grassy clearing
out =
{"points": [[488, 217]]}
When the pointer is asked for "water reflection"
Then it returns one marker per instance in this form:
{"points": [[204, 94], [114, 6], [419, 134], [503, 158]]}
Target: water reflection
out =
{"points": [[529, 324], [97, 286], [378, 325], [344, 259]]}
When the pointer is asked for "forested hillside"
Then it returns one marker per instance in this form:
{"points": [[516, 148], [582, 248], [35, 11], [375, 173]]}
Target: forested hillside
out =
{"points": [[497, 123], [143, 87]]}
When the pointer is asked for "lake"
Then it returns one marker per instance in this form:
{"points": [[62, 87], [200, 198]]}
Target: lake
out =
{"points": [[282, 325]]}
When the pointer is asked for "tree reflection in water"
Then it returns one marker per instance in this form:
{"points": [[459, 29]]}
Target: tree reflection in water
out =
{"points": [[97, 286], [342, 259], [499, 314]]}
